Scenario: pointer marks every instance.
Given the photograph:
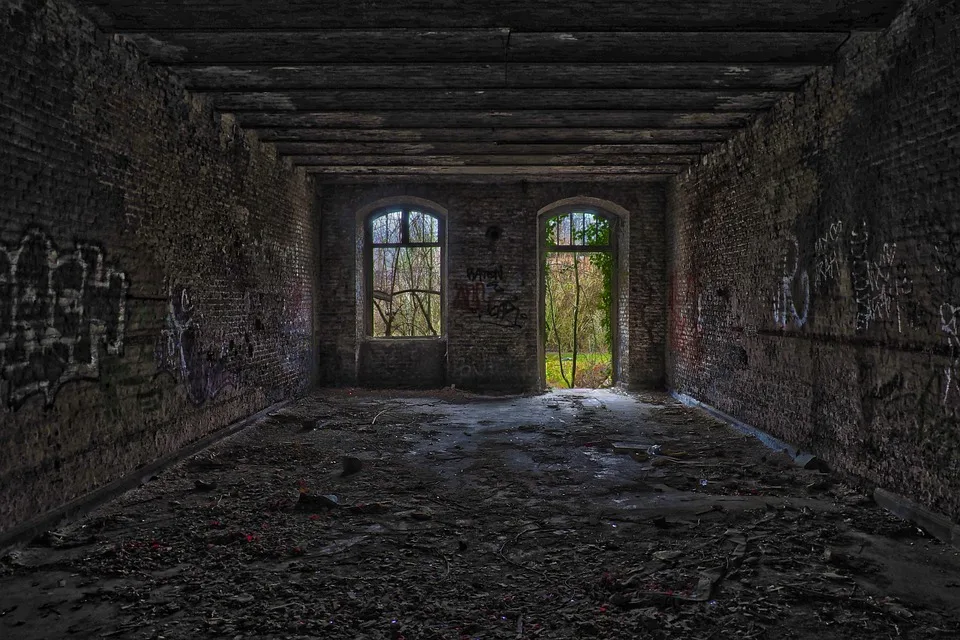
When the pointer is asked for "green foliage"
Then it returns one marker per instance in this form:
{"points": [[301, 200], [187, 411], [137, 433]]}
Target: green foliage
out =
{"points": [[579, 297], [595, 369]]}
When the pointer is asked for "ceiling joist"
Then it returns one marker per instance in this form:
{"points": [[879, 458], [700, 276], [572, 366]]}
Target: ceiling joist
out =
{"points": [[492, 90], [478, 46], [530, 15], [449, 101], [705, 138], [702, 76], [496, 119]]}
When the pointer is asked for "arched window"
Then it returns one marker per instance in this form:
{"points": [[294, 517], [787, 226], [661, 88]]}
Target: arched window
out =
{"points": [[405, 273]]}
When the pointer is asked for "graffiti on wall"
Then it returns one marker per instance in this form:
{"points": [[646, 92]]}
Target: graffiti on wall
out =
{"points": [[58, 309], [828, 255], [791, 305], [204, 373], [483, 295], [879, 282], [949, 316]]}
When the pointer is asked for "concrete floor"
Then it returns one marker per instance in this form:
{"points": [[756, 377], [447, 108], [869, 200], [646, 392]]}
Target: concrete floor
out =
{"points": [[485, 517]]}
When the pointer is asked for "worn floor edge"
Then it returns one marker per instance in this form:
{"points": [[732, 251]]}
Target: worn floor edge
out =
{"points": [[936, 524], [84, 504]]}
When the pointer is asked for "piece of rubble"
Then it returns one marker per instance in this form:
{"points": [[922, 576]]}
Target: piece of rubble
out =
{"points": [[351, 465], [811, 462]]}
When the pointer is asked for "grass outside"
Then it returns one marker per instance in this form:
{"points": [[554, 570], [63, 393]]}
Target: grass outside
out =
{"points": [[593, 369]]}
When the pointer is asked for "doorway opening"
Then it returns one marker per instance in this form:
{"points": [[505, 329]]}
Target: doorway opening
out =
{"points": [[579, 300]]}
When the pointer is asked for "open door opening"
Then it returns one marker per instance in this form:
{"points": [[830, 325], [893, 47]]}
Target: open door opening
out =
{"points": [[579, 300]]}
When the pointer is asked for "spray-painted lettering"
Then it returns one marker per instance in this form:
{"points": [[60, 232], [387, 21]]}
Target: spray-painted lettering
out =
{"points": [[828, 254], [57, 310], [878, 282], [485, 296]]}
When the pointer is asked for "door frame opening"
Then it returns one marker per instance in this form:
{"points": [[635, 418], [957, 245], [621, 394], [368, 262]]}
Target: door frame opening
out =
{"points": [[618, 218]]}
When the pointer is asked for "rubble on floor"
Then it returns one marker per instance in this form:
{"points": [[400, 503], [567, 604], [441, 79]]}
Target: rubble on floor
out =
{"points": [[579, 514]]}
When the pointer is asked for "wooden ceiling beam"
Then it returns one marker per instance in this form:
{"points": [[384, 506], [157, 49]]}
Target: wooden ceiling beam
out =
{"points": [[705, 138], [247, 77], [515, 170], [492, 179], [535, 119], [709, 15], [478, 46], [448, 101], [497, 160], [469, 149]]}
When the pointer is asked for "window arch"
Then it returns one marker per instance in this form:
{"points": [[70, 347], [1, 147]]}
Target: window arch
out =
{"points": [[405, 272]]}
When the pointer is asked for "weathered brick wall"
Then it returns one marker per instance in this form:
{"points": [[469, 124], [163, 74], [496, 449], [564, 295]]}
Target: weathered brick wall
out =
{"points": [[815, 269], [485, 352], [155, 268]]}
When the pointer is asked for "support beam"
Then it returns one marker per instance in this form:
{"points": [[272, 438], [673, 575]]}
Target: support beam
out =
{"points": [[496, 99], [498, 119], [253, 77], [498, 160], [707, 15], [479, 149], [515, 170], [706, 137], [566, 179], [479, 46]]}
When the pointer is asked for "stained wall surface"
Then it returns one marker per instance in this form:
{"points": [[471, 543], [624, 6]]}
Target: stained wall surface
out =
{"points": [[156, 264], [491, 342], [814, 286]]}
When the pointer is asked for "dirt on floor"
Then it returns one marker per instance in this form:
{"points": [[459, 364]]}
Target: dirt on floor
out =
{"points": [[574, 514]]}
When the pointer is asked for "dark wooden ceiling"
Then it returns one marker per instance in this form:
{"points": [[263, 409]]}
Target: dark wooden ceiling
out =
{"points": [[358, 90]]}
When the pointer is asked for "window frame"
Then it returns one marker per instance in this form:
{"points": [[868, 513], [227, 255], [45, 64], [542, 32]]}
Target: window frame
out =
{"points": [[572, 210], [368, 247]]}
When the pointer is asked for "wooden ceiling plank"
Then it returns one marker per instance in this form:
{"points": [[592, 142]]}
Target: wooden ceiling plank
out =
{"points": [[567, 178], [828, 15], [498, 119], [496, 99], [586, 136], [502, 170], [578, 159], [236, 78], [477, 148], [479, 46]]}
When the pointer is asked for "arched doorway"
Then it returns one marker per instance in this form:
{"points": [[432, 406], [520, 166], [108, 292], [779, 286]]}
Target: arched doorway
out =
{"points": [[581, 307]]}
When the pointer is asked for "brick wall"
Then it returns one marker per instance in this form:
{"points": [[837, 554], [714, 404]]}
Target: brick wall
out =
{"points": [[485, 352], [815, 273], [155, 269]]}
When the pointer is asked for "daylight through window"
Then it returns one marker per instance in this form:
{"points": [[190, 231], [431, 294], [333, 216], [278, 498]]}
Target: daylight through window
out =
{"points": [[405, 261]]}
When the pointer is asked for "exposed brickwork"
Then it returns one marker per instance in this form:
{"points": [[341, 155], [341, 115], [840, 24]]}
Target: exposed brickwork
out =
{"points": [[156, 278], [815, 276], [485, 352]]}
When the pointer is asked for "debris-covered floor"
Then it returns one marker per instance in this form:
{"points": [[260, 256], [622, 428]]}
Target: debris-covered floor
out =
{"points": [[470, 517]]}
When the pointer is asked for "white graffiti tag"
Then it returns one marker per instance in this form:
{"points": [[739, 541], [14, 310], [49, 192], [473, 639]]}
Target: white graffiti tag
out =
{"points": [[58, 309], [878, 283], [794, 284], [829, 251]]}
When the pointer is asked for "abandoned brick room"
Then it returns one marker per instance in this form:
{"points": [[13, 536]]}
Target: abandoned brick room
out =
{"points": [[479, 319]]}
